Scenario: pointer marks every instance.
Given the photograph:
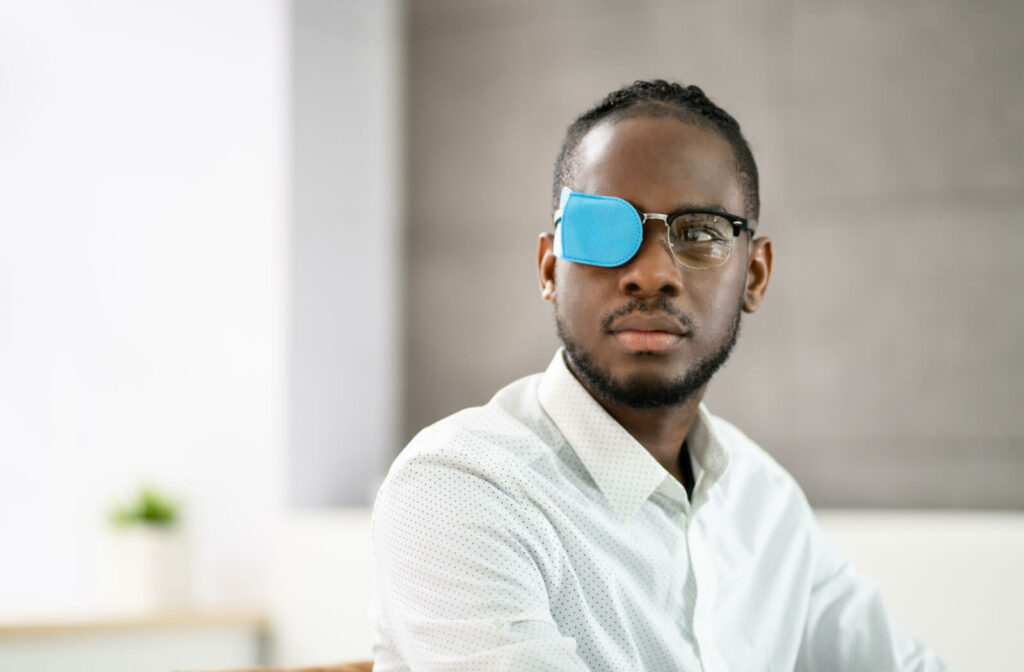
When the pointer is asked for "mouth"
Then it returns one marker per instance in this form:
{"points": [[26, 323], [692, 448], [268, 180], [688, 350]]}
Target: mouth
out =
{"points": [[647, 341], [641, 333]]}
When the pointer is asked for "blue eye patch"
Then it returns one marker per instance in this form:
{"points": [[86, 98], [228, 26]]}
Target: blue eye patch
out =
{"points": [[596, 230]]}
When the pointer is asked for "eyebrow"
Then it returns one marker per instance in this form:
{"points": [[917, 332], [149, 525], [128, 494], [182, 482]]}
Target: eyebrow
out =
{"points": [[715, 208]]}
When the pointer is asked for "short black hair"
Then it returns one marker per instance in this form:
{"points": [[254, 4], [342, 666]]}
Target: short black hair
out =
{"points": [[659, 98]]}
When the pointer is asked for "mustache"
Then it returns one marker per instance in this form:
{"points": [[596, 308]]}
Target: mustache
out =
{"points": [[657, 304]]}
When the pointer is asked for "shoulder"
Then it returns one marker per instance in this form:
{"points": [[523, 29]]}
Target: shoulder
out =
{"points": [[765, 505], [480, 451], [753, 473], [470, 481], [510, 429], [747, 456]]}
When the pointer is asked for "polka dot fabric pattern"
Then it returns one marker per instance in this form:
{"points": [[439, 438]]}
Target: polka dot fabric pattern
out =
{"points": [[535, 534]]}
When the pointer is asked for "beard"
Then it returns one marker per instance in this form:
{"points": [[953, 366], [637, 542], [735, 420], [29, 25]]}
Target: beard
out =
{"points": [[641, 392]]}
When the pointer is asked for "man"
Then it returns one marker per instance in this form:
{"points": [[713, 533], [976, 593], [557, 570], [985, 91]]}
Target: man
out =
{"points": [[597, 516]]}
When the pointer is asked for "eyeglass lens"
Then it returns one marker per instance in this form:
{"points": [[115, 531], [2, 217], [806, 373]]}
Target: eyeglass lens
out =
{"points": [[701, 240]]}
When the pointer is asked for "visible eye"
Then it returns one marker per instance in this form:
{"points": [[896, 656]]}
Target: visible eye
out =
{"points": [[700, 235], [697, 228], [701, 239]]}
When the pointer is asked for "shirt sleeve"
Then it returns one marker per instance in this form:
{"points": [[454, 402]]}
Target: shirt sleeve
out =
{"points": [[460, 577], [848, 627]]}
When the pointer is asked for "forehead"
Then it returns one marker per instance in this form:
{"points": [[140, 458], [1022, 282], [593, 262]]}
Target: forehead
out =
{"points": [[658, 164]]}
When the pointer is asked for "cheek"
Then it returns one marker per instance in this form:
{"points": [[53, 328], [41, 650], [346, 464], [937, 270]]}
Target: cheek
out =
{"points": [[576, 291], [719, 295]]}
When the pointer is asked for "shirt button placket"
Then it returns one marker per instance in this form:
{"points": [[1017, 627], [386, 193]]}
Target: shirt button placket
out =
{"points": [[707, 585]]}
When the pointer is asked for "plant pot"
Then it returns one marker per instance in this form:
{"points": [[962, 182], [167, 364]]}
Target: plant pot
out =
{"points": [[148, 569]]}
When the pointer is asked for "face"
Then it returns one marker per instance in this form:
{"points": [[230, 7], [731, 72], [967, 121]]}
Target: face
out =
{"points": [[650, 333]]}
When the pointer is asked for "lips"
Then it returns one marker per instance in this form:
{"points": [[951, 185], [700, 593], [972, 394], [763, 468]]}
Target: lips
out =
{"points": [[648, 323], [648, 333]]}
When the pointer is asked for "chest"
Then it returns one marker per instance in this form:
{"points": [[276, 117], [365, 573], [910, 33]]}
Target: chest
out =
{"points": [[664, 591]]}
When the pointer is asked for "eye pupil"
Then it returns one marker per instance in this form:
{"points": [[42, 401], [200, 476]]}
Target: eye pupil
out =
{"points": [[701, 227]]}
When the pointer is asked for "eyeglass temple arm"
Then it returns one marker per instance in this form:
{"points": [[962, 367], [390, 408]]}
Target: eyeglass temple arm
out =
{"points": [[748, 224]]}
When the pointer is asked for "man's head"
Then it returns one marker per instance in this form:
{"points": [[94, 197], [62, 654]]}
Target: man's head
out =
{"points": [[659, 98], [650, 332]]}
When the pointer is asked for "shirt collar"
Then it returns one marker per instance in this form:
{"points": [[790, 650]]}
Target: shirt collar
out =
{"points": [[621, 467], [710, 456]]}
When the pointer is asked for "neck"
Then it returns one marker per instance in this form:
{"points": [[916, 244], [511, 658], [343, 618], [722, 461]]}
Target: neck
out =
{"points": [[660, 430]]}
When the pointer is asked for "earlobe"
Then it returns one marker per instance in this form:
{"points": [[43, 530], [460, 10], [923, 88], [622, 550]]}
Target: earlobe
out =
{"points": [[546, 265], [759, 271]]}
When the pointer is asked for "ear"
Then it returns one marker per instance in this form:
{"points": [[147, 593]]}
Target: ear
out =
{"points": [[546, 265], [759, 271]]}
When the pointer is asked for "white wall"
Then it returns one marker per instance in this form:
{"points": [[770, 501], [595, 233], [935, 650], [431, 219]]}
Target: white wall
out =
{"points": [[323, 570], [142, 284], [950, 577]]}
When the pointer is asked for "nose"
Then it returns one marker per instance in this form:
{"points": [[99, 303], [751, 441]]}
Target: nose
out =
{"points": [[653, 270]]}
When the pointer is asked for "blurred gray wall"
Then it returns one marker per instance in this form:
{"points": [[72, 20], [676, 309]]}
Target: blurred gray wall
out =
{"points": [[344, 252], [885, 368]]}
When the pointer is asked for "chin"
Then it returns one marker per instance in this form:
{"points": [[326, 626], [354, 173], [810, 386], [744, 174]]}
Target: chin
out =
{"points": [[646, 380], [649, 365]]}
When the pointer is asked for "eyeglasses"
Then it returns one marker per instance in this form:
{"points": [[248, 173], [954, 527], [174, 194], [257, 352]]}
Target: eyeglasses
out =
{"points": [[608, 231]]}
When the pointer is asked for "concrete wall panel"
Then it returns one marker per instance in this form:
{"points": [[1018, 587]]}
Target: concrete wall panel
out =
{"points": [[883, 368]]}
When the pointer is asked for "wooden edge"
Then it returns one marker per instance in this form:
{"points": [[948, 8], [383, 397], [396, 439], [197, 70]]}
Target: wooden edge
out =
{"points": [[129, 622]]}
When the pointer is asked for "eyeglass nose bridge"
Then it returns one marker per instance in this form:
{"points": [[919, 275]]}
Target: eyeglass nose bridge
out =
{"points": [[663, 218], [657, 216], [653, 215]]}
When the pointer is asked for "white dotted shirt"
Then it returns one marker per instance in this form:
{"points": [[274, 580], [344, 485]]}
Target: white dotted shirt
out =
{"points": [[535, 533]]}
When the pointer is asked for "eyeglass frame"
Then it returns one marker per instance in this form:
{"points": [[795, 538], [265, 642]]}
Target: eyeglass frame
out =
{"points": [[739, 225]]}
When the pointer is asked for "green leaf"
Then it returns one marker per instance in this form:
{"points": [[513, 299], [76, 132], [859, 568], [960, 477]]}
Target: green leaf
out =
{"points": [[148, 507]]}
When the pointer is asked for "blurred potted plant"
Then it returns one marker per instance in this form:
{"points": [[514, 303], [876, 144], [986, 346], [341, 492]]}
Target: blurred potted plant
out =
{"points": [[149, 507], [149, 560]]}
